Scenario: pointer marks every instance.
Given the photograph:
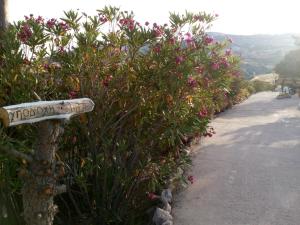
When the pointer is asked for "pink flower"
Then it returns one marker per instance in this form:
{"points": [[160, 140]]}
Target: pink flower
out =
{"points": [[61, 49], [46, 66], [228, 52], [51, 23], [72, 94], [191, 179], [39, 20], [158, 31], [172, 41], [26, 61], [64, 26], [25, 33], [224, 63], [189, 39], [122, 21], [208, 40], [131, 27], [192, 82], [215, 66], [103, 19], [179, 60], [188, 34], [199, 69], [157, 49], [203, 113], [152, 196]]}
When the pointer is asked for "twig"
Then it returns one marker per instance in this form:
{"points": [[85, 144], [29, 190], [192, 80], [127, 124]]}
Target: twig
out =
{"points": [[16, 154], [37, 96]]}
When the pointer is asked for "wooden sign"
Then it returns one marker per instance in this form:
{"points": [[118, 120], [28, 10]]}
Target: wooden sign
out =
{"points": [[44, 110]]}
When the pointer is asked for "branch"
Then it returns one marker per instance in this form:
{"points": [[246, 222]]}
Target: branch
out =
{"points": [[60, 189], [16, 154], [37, 97]]}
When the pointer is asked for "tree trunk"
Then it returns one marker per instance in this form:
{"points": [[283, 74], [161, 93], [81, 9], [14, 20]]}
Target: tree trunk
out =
{"points": [[3, 15], [40, 182]]}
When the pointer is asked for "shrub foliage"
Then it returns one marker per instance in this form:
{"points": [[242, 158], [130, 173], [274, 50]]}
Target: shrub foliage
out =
{"points": [[153, 86]]}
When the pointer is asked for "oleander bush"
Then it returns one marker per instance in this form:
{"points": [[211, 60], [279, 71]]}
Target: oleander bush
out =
{"points": [[155, 88]]}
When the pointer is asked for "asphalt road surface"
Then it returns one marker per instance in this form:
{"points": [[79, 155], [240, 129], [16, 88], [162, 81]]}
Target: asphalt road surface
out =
{"points": [[249, 172]]}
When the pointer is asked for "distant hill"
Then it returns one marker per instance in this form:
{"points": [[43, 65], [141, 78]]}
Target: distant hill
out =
{"points": [[259, 53]]}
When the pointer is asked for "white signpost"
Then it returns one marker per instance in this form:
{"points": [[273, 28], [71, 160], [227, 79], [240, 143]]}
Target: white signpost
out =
{"points": [[42, 170], [44, 110]]}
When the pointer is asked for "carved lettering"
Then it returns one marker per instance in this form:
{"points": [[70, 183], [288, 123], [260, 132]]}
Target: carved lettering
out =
{"points": [[26, 113], [11, 116], [18, 115], [32, 112], [38, 111]]}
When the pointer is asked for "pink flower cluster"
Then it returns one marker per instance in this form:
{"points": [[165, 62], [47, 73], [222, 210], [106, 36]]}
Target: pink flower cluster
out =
{"points": [[158, 31], [102, 19], [128, 23], [215, 66], [39, 19], [191, 179], [151, 196], [25, 33], [189, 40], [192, 82], [157, 48], [179, 60], [203, 113], [224, 63], [72, 94], [199, 69], [208, 40], [51, 23], [64, 26], [172, 41]]}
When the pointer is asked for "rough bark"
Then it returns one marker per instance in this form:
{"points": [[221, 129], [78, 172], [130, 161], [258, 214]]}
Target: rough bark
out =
{"points": [[40, 184], [3, 14]]}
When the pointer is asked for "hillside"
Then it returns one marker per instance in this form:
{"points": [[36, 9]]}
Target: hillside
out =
{"points": [[260, 53]]}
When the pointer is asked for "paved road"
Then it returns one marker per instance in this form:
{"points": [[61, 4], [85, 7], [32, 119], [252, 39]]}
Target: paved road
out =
{"points": [[249, 172]]}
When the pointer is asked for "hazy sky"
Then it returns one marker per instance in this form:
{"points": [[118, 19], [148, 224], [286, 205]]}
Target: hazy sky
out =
{"points": [[235, 16]]}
